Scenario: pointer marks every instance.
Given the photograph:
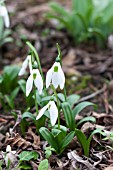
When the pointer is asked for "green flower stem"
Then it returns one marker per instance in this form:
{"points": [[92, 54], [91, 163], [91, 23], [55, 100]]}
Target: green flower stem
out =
{"points": [[59, 53], [65, 94], [58, 105], [38, 61], [36, 104]]}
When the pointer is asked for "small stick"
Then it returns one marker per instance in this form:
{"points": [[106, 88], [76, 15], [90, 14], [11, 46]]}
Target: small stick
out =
{"points": [[92, 95]]}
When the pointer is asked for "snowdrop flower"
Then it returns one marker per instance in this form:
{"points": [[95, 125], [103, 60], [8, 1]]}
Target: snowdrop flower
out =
{"points": [[4, 14], [26, 62], [52, 108], [8, 149], [55, 75], [35, 77], [110, 41]]}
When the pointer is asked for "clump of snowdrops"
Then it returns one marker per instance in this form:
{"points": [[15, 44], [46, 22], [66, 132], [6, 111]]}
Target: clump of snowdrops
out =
{"points": [[50, 106], [4, 21]]}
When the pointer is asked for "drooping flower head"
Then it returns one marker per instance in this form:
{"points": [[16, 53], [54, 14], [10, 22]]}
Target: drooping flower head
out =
{"points": [[52, 108], [35, 77], [4, 14], [55, 75], [26, 62]]}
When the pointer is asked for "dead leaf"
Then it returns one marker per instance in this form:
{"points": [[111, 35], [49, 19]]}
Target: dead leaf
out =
{"points": [[75, 158]]}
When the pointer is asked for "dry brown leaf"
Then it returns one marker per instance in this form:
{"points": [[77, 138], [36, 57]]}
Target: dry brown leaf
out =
{"points": [[109, 168], [18, 141]]}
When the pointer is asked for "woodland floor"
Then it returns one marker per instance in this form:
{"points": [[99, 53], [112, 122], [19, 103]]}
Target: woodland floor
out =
{"points": [[89, 72]]}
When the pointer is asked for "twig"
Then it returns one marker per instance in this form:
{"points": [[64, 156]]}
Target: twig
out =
{"points": [[92, 95]]}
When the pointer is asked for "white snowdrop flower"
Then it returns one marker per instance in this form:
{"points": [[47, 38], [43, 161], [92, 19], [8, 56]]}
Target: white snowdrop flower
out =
{"points": [[35, 77], [110, 41], [52, 108], [55, 75], [26, 62], [4, 14], [8, 149]]}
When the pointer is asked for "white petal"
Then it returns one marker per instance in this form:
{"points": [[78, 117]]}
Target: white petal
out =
{"points": [[6, 20], [61, 78], [42, 112], [3, 11], [55, 79], [53, 112], [49, 77], [29, 62], [8, 148], [38, 81], [29, 84], [24, 67]]}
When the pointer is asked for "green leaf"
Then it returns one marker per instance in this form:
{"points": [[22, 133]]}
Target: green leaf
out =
{"points": [[72, 99], [14, 93], [66, 140], [9, 101], [83, 141], [87, 119], [27, 155], [80, 107], [48, 136], [22, 84], [44, 165], [56, 132], [29, 115], [69, 116], [23, 166], [61, 97]]}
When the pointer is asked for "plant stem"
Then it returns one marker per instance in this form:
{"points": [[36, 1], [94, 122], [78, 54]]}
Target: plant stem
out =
{"points": [[65, 94], [36, 104], [58, 105]]}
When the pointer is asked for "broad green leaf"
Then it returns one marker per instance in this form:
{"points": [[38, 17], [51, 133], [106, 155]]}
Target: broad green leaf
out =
{"points": [[29, 115], [61, 97], [27, 155], [72, 99], [48, 136], [87, 119], [14, 93], [80, 107], [44, 165], [9, 101], [65, 142], [22, 84], [83, 141], [69, 116], [56, 132], [24, 166]]}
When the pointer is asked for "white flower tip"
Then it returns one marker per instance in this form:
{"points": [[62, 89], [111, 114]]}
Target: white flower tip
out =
{"points": [[8, 148]]}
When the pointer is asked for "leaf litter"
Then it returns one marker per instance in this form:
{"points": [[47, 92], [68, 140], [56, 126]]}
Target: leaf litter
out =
{"points": [[84, 60]]}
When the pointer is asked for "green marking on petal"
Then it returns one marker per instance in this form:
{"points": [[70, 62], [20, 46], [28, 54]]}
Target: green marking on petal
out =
{"points": [[56, 69], [34, 76]]}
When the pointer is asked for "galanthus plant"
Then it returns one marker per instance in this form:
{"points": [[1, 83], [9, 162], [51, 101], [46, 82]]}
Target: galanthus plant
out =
{"points": [[48, 108], [4, 14]]}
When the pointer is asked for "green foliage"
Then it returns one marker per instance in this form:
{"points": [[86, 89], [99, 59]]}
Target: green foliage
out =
{"points": [[27, 155], [5, 34], [70, 114], [87, 20], [48, 151], [44, 165], [9, 85], [57, 138], [85, 143]]}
